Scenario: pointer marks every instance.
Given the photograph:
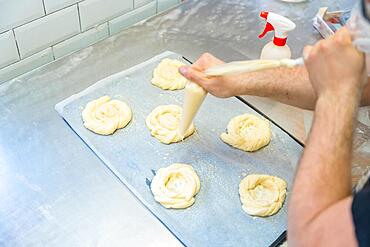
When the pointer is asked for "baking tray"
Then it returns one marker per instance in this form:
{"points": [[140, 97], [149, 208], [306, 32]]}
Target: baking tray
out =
{"points": [[133, 155]]}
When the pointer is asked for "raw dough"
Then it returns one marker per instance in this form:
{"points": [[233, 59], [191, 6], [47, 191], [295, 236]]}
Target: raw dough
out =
{"points": [[104, 116], [247, 132], [166, 75], [175, 186], [163, 123], [262, 195]]}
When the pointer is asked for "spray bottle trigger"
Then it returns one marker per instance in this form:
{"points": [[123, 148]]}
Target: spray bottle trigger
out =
{"points": [[268, 28]]}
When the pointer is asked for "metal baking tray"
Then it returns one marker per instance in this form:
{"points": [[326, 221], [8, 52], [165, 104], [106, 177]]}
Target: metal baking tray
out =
{"points": [[132, 154]]}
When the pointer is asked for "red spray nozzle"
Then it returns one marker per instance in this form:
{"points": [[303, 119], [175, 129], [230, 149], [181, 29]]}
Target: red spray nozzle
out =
{"points": [[267, 29], [264, 14], [278, 23]]}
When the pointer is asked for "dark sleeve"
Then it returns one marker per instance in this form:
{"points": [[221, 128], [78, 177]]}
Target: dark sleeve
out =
{"points": [[361, 215]]}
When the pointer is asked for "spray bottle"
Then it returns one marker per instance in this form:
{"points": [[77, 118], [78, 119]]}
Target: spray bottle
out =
{"points": [[277, 48]]}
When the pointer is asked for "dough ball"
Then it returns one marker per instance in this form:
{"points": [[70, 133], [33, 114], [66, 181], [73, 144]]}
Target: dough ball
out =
{"points": [[166, 75], [175, 186], [104, 116], [163, 123], [262, 195], [247, 132]]}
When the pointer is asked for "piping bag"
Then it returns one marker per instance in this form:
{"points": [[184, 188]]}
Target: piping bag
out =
{"points": [[194, 96], [239, 67]]}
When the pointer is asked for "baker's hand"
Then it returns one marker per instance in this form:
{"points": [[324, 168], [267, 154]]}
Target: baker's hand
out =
{"points": [[221, 86], [335, 66]]}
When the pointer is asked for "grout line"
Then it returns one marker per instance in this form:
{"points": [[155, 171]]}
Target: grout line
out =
{"points": [[40, 17], [16, 44], [145, 19], [63, 8], [84, 47], [23, 24], [5, 31], [10, 65], [79, 16], [52, 52], [21, 60], [108, 29], [35, 68], [43, 4], [79, 34]]}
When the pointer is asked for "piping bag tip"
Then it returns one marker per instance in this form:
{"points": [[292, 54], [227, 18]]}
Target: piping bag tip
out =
{"points": [[181, 133]]}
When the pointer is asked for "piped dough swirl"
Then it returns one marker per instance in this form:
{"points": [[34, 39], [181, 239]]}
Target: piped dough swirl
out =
{"points": [[163, 123], [166, 75], [175, 186], [262, 195], [104, 116], [247, 132]]}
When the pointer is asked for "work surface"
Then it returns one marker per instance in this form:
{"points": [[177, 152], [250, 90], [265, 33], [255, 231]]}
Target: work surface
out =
{"points": [[53, 190], [216, 218]]}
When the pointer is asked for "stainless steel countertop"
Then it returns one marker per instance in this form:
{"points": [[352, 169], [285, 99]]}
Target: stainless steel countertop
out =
{"points": [[53, 190]]}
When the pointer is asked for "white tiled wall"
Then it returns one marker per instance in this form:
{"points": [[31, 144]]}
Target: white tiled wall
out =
{"points": [[44, 32], [126, 20], [54, 5], [36, 32], [94, 12], [139, 3], [14, 13], [8, 47]]}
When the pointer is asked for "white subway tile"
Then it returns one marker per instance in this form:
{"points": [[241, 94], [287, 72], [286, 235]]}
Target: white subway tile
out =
{"points": [[139, 3], [8, 49], [166, 4], [47, 31], [81, 41], [53, 5], [94, 12], [129, 19], [17, 12], [26, 65]]}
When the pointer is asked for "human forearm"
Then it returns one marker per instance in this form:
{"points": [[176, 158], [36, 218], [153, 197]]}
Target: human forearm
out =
{"points": [[287, 85], [290, 86], [323, 177], [322, 186]]}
